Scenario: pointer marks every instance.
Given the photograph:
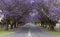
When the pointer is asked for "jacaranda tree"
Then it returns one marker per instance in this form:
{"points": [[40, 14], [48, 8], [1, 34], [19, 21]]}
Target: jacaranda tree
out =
{"points": [[17, 11]]}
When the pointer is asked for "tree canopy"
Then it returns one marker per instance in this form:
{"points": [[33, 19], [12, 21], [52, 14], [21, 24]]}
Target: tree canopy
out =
{"points": [[30, 10]]}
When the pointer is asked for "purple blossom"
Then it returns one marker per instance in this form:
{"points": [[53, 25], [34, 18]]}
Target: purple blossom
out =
{"points": [[21, 7]]}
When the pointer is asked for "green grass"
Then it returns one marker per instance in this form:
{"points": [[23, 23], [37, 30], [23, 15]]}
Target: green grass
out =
{"points": [[3, 32], [57, 33]]}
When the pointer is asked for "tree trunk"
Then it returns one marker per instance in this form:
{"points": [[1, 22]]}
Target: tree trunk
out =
{"points": [[14, 25], [11, 27], [5, 27], [51, 28]]}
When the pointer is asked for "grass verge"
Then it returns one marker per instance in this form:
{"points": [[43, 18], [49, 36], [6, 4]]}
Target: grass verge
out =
{"points": [[3, 32], [57, 33]]}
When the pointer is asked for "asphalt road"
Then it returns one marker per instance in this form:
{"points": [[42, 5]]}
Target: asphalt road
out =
{"points": [[30, 32]]}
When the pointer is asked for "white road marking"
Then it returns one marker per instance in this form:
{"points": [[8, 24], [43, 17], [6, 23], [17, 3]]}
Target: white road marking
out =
{"points": [[29, 34]]}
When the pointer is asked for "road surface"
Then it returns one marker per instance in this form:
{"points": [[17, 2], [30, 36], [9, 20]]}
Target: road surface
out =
{"points": [[30, 32]]}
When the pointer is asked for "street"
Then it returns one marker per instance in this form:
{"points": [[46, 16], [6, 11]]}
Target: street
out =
{"points": [[30, 32], [29, 18]]}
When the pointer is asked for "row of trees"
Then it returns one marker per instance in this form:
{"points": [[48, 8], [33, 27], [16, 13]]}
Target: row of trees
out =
{"points": [[44, 11]]}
